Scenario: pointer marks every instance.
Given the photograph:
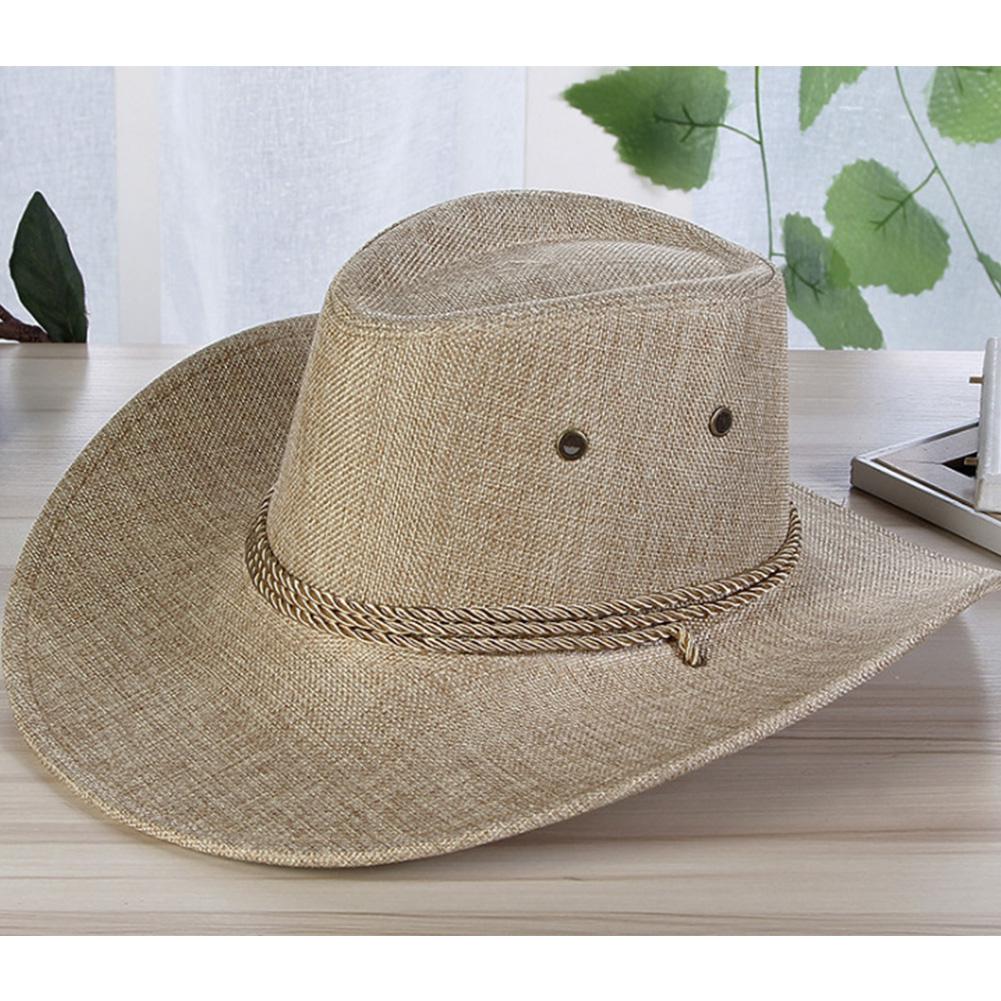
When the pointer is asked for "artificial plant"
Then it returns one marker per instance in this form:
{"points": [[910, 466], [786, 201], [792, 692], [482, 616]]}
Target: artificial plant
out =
{"points": [[667, 119], [46, 279]]}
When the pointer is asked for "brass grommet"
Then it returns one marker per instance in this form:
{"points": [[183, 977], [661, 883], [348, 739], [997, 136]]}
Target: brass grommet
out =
{"points": [[721, 421], [571, 445]]}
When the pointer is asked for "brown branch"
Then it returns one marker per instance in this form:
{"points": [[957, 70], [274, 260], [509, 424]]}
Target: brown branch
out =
{"points": [[13, 329]]}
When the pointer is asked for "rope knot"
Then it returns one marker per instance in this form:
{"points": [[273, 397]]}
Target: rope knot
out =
{"points": [[688, 647]]}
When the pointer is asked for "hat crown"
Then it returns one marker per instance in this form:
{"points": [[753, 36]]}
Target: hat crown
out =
{"points": [[456, 349]]}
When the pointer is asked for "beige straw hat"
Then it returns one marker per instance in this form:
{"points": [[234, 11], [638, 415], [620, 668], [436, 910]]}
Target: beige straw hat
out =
{"points": [[502, 535]]}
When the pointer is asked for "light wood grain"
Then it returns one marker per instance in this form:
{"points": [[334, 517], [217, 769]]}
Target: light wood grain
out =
{"points": [[881, 813]]}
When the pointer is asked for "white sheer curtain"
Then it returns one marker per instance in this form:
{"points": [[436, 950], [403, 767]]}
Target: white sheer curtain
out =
{"points": [[271, 178], [57, 136], [241, 190]]}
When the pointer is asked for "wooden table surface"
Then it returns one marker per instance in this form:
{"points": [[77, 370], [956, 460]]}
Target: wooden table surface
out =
{"points": [[880, 813]]}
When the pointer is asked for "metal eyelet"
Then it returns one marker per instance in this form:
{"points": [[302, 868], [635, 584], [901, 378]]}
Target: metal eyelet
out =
{"points": [[572, 445], [720, 421]]}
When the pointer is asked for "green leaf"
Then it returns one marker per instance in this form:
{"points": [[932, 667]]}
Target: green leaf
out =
{"points": [[817, 290], [965, 103], [817, 85], [665, 118], [992, 268], [884, 235], [46, 277]]}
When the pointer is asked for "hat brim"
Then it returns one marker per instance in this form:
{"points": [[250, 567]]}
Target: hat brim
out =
{"points": [[148, 673]]}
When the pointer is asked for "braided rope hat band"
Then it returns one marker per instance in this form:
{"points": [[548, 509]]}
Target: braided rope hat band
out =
{"points": [[611, 625]]}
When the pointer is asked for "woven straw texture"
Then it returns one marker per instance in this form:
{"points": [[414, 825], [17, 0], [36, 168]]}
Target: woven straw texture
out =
{"points": [[148, 672], [577, 312]]}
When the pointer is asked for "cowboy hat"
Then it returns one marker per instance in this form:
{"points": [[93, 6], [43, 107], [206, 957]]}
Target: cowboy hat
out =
{"points": [[503, 534]]}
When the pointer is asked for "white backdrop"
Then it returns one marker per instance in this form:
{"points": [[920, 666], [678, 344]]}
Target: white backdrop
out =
{"points": [[272, 178], [201, 201], [57, 135]]}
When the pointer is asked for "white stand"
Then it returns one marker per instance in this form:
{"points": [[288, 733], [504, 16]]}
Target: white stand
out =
{"points": [[988, 492]]}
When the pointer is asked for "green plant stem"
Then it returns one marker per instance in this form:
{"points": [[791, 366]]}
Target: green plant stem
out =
{"points": [[758, 140], [740, 132], [692, 124], [937, 169], [903, 201], [13, 329], [764, 159]]}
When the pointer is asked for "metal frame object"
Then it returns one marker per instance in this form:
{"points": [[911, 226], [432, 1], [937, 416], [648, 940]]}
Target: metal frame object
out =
{"points": [[934, 479]]}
